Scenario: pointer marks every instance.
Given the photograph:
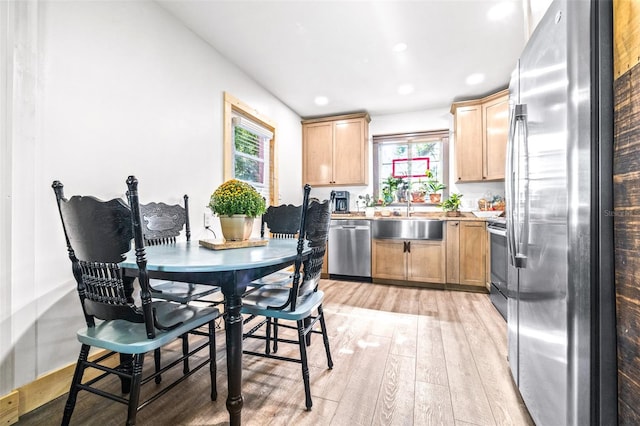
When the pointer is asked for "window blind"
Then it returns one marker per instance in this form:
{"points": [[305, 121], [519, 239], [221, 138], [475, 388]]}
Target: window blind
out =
{"points": [[251, 153]]}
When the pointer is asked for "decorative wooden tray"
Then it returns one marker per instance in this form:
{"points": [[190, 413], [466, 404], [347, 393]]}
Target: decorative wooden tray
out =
{"points": [[224, 245]]}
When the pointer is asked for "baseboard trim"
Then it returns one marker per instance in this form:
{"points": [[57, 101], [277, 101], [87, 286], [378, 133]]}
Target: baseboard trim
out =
{"points": [[9, 408], [44, 389]]}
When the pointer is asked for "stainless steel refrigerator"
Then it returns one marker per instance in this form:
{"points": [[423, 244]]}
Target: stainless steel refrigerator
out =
{"points": [[561, 298]]}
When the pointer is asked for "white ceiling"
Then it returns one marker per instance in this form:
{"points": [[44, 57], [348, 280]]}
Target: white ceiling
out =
{"points": [[343, 50]]}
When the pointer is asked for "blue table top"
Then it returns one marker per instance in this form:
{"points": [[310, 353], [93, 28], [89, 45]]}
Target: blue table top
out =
{"points": [[191, 257]]}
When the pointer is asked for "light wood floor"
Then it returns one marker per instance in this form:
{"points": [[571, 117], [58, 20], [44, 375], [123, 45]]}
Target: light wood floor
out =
{"points": [[402, 356]]}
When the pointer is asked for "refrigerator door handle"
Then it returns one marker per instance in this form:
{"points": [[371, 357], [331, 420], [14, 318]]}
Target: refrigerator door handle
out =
{"points": [[511, 196], [521, 238]]}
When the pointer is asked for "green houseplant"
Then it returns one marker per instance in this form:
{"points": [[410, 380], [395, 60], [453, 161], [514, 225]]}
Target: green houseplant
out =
{"points": [[236, 203], [394, 186], [451, 206], [433, 187], [369, 204], [419, 191]]}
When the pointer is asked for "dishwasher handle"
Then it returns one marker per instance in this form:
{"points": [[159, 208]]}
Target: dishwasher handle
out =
{"points": [[350, 227]]}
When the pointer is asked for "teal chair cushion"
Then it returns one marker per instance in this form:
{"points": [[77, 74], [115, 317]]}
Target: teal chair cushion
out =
{"points": [[131, 338], [257, 303]]}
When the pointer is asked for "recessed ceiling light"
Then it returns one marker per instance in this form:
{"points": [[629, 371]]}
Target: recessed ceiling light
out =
{"points": [[400, 47], [500, 10], [476, 78], [405, 89], [321, 100]]}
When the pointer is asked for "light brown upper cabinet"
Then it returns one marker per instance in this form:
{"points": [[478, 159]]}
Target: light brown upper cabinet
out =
{"points": [[335, 150], [481, 130]]}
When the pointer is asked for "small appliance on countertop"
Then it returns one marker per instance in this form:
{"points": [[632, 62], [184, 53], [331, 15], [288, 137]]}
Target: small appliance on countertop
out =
{"points": [[341, 202]]}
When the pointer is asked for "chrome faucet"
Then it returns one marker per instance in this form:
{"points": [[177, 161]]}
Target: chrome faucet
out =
{"points": [[408, 205]]}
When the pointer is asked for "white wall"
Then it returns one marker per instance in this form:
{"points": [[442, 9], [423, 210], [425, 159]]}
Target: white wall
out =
{"points": [[120, 88]]}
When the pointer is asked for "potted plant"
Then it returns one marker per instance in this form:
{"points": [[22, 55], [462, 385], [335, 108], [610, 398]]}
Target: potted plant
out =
{"points": [[402, 190], [394, 186], [451, 206], [418, 194], [237, 204], [433, 186], [369, 204]]}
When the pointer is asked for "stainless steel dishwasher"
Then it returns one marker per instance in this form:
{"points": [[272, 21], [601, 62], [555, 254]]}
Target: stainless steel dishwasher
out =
{"points": [[350, 249]]}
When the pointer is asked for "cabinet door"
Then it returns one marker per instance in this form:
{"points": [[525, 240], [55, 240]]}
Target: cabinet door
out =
{"points": [[453, 251], [472, 252], [496, 124], [350, 157], [317, 153], [468, 143], [426, 261], [388, 259]]}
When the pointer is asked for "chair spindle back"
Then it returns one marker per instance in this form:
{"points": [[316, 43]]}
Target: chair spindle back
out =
{"points": [[315, 220]]}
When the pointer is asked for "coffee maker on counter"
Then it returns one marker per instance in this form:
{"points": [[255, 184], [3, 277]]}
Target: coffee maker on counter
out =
{"points": [[341, 202]]}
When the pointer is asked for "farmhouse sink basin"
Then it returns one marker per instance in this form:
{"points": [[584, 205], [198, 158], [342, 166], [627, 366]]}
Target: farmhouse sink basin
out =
{"points": [[415, 229]]}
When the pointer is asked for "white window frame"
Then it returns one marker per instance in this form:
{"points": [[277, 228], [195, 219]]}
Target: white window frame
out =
{"points": [[255, 122], [440, 136]]}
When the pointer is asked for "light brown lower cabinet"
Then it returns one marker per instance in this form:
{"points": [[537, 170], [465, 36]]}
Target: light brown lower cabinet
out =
{"points": [[466, 253], [408, 260]]}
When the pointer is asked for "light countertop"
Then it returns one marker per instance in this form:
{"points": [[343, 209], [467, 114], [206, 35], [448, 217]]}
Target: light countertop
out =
{"points": [[464, 216]]}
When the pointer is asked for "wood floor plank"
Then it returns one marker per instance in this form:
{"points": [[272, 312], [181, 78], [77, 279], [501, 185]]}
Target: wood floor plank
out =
{"points": [[396, 399], [468, 398], [394, 298], [433, 405], [405, 335], [357, 405], [427, 303], [348, 335], [492, 364], [347, 294], [431, 365], [495, 325]]}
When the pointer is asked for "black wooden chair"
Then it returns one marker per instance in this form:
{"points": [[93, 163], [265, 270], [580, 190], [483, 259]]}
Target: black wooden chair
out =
{"points": [[282, 222], [98, 235], [302, 302], [162, 224]]}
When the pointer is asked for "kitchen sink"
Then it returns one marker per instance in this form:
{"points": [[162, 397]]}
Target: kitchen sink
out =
{"points": [[414, 229]]}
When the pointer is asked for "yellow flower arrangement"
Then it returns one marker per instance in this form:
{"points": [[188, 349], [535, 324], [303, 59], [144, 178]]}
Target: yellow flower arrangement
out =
{"points": [[236, 197]]}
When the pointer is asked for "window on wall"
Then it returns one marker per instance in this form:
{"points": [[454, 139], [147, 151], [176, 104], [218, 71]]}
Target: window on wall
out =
{"points": [[249, 148], [251, 154], [407, 159]]}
